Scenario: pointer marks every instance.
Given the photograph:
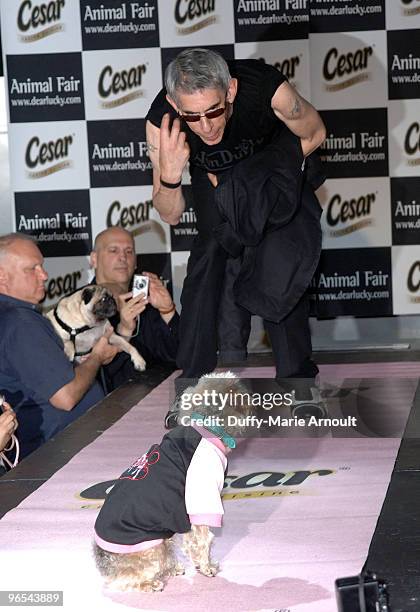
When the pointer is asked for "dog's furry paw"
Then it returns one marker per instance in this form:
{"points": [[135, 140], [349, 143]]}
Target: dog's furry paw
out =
{"points": [[179, 570], [138, 362], [151, 586], [209, 569], [158, 585]]}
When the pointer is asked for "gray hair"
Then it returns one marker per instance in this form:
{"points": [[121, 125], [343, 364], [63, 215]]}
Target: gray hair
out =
{"points": [[194, 70], [7, 240]]}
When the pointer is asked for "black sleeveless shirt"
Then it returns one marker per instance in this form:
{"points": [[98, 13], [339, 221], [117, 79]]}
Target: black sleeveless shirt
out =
{"points": [[251, 126]]}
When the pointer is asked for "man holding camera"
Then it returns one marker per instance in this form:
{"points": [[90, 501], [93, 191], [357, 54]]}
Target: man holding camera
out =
{"points": [[148, 323]]}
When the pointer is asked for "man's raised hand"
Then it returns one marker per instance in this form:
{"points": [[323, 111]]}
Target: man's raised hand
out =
{"points": [[174, 151]]}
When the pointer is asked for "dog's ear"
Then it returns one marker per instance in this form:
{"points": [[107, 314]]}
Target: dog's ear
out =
{"points": [[88, 294]]}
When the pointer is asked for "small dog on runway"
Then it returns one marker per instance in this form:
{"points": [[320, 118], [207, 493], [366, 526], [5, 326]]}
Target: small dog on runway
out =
{"points": [[173, 488]]}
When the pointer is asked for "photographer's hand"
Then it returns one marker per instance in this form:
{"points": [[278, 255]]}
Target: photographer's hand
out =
{"points": [[129, 308], [159, 297]]}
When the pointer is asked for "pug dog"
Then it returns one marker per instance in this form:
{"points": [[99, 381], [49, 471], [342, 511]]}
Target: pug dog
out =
{"points": [[81, 318]]}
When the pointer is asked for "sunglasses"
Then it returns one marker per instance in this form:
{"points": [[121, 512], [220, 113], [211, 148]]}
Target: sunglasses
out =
{"points": [[211, 114]]}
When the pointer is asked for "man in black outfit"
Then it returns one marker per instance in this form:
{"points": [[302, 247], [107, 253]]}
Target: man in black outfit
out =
{"points": [[150, 324], [221, 117]]}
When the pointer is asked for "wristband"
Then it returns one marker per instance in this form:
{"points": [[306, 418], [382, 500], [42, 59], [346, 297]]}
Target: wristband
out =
{"points": [[170, 185], [166, 312]]}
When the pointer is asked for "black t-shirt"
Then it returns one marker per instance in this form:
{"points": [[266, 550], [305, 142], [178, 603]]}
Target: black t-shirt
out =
{"points": [[156, 341], [251, 126], [148, 500], [174, 484]]}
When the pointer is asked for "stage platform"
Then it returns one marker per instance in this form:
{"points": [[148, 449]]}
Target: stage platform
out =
{"points": [[280, 550]]}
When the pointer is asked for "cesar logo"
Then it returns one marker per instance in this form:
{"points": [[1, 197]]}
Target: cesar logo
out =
{"points": [[336, 65], [35, 16]]}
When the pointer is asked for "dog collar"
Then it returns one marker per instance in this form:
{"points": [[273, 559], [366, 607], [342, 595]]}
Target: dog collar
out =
{"points": [[82, 353], [218, 431]]}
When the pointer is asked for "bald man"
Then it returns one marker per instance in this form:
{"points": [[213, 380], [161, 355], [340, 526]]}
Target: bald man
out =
{"points": [[150, 324], [36, 377]]}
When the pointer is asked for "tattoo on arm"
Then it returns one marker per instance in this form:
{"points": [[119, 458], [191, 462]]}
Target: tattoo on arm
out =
{"points": [[151, 147], [296, 109]]}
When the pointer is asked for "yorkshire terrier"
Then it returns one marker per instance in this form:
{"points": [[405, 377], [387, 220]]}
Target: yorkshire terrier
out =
{"points": [[174, 488]]}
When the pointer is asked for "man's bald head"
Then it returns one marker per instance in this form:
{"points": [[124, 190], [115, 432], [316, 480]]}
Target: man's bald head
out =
{"points": [[113, 257], [108, 234], [22, 274], [8, 242]]}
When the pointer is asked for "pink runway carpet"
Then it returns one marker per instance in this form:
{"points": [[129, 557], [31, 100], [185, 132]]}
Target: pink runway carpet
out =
{"points": [[283, 543]]}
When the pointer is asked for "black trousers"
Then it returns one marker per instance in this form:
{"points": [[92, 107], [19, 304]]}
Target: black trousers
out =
{"points": [[204, 328]]}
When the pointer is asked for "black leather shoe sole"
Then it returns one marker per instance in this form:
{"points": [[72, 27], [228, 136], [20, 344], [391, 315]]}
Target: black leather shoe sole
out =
{"points": [[171, 419], [306, 410]]}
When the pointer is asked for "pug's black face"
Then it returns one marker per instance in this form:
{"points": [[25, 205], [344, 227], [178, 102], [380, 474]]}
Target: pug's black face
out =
{"points": [[104, 307]]}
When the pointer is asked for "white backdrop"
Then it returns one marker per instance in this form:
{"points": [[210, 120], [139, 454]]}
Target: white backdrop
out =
{"points": [[81, 76]]}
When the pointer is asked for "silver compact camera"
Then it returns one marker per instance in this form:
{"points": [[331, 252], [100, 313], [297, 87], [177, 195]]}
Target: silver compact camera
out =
{"points": [[140, 285]]}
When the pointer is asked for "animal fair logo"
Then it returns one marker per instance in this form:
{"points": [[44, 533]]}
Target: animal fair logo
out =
{"points": [[60, 220], [118, 13], [360, 278]]}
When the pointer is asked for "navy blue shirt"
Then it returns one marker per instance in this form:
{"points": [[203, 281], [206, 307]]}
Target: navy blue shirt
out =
{"points": [[33, 367]]}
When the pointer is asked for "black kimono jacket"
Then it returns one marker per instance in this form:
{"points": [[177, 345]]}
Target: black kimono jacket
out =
{"points": [[272, 220]]}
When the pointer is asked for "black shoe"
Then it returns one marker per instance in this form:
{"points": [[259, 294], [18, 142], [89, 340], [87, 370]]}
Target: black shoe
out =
{"points": [[300, 388], [307, 408], [171, 419]]}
